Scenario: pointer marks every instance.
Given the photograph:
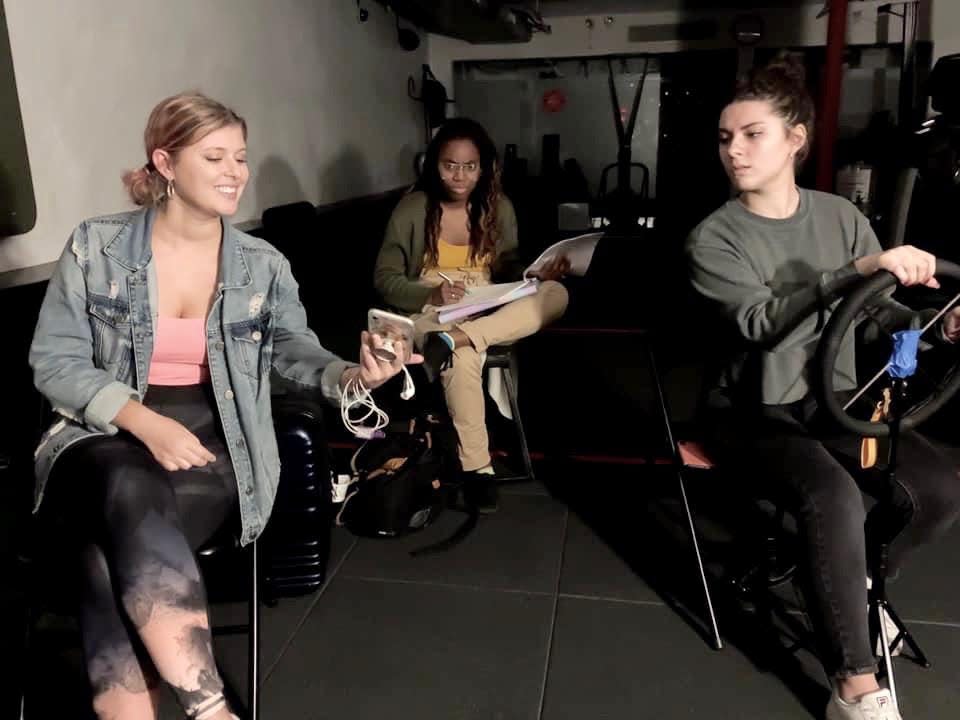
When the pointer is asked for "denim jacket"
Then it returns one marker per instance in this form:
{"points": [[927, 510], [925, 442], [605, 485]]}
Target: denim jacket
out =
{"points": [[94, 340]]}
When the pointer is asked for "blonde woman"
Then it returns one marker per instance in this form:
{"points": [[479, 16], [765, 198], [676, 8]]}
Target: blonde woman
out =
{"points": [[155, 345]]}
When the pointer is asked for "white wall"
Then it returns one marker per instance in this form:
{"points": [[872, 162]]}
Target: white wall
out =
{"points": [[570, 37], [945, 27], [324, 97]]}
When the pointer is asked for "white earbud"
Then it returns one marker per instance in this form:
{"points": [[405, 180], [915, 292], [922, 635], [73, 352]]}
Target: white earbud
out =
{"points": [[409, 389], [357, 397]]}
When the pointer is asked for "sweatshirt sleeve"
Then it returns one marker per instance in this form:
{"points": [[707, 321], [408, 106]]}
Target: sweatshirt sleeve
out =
{"points": [[723, 275], [390, 272]]}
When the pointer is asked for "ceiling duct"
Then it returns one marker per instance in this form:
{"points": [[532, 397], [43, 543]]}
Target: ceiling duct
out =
{"points": [[475, 21]]}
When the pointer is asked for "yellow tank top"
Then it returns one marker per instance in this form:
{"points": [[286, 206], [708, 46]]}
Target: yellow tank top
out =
{"points": [[454, 262]]}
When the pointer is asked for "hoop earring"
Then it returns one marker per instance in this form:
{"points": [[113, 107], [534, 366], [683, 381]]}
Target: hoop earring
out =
{"points": [[171, 191]]}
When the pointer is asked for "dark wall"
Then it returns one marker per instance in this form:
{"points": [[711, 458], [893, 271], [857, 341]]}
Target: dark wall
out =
{"points": [[332, 251], [20, 418], [691, 183]]}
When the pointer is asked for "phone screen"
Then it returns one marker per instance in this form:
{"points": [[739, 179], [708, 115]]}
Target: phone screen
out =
{"points": [[391, 328]]}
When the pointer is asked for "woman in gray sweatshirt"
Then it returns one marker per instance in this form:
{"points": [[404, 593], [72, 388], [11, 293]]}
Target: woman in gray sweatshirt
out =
{"points": [[772, 261]]}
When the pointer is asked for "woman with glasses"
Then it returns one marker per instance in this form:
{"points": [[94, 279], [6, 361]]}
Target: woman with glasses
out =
{"points": [[456, 231]]}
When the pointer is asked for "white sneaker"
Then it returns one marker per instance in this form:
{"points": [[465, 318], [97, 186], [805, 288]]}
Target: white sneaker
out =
{"points": [[872, 706]]}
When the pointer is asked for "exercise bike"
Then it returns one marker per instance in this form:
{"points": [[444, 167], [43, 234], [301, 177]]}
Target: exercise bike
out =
{"points": [[910, 394]]}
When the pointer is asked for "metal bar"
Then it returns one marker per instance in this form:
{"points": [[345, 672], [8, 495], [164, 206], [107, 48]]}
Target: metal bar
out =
{"points": [[510, 379], [253, 644], [908, 66], [830, 99], [678, 463]]}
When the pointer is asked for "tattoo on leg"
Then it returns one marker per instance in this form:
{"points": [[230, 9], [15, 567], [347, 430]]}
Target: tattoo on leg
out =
{"points": [[197, 651], [155, 584], [139, 606], [118, 667]]}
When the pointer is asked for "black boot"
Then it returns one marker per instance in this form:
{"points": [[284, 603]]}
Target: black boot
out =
{"points": [[437, 355], [480, 491]]}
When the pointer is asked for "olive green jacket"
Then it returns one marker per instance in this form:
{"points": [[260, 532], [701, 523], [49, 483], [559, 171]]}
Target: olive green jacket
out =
{"points": [[400, 261]]}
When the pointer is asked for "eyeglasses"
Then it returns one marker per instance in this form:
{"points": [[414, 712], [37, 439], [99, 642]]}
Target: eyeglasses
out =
{"points": [[451, 167]]}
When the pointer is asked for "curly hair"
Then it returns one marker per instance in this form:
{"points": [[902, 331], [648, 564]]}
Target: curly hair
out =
{"points": [[483, 201], [782, 83]]}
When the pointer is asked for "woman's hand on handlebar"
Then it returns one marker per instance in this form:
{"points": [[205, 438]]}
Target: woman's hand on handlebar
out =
{"points": [[910, 265]]}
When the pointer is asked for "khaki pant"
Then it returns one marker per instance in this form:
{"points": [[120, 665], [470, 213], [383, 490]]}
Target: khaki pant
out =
{"points": [[463, 381]]}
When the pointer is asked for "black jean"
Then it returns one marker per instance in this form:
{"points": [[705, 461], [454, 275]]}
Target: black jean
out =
{"points": [[137, 528], [794, 455]]}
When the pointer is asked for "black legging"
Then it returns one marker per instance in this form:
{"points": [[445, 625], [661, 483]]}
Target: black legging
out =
{"points": [[140, 526], [793, 454]]}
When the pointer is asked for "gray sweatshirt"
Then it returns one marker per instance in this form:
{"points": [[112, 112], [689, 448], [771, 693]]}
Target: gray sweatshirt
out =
{"points": [[776, 282]]}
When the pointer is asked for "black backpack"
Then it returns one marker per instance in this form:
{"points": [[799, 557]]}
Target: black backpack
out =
{"points": [[401, 483]]}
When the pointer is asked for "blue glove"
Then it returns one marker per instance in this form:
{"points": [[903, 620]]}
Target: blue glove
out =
{"points": [[903, 361]]}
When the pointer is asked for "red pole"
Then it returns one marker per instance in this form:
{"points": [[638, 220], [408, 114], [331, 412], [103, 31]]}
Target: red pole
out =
{"points": [[832, 86]]}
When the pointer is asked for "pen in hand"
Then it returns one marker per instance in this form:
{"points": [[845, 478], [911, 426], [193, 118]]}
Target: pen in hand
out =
{"points": [[457, 290], [452, 283]]}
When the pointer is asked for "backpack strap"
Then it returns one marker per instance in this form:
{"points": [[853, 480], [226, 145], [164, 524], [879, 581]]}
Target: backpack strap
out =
{"points": [[458, 536]]}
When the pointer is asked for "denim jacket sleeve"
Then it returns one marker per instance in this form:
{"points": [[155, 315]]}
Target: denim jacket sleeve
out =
{"points": [[298, 356], [61, 353]]}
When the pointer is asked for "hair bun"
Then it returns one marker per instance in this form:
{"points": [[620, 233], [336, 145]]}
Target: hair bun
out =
{"points": [[144, 186], [782, 84], [789, 67], [137, 175]]}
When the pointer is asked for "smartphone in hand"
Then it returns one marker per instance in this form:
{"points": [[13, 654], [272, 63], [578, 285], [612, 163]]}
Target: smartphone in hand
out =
{"points": [[391, 328]]}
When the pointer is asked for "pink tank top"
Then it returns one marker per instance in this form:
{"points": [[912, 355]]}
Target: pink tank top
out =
{"points": [[179, 352]]}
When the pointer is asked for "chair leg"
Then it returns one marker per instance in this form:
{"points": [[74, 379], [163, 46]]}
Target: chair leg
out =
{"points": [[24, 668], [717, 642], [253, 638], [887, 660], [510, 379], [30, 616], [903, 634], [678, 464]]}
